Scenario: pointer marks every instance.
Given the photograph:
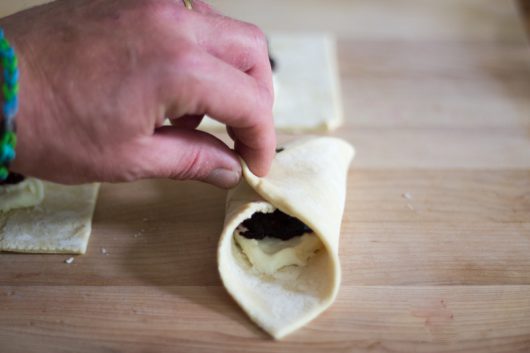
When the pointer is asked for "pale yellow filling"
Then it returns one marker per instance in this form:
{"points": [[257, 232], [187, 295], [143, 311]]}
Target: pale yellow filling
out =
{"points": [[28, 193], [269, 255]]}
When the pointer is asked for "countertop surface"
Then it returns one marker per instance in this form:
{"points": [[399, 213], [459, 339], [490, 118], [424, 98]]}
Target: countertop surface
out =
{"points": [[435, 244]]}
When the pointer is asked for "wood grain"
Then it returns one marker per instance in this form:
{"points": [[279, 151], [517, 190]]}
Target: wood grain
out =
{"points": [[436, 232], [524, 7], [201, 319]]}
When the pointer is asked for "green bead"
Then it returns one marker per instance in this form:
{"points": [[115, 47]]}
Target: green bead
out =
{"points": [[14, 63], [11, 68], [15, 88], [10, 63], [10, 92], [4, 44], [9, 139], [4, 173], [8, 95], [13, 139]]}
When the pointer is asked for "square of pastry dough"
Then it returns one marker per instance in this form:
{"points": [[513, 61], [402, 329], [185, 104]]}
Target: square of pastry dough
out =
{"points": [[62, 223], [306, 83]]}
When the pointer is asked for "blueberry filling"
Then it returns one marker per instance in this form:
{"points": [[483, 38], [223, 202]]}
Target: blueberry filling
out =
{"points": [[12, 179], [275, 225]]}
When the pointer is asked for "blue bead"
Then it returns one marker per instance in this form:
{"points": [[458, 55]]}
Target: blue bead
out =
{"points": [[11, 78], [7, 154], [10, 108], [9, 113], [10, 53], [14, 102]]}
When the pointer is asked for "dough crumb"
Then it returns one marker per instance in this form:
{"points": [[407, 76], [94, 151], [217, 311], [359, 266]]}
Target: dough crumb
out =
{"points": [[407, 195], [69, 260], [139, 233], [104, 251]]}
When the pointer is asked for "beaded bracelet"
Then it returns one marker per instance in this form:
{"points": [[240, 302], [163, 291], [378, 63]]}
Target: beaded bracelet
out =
{"points": [[10, 89]]}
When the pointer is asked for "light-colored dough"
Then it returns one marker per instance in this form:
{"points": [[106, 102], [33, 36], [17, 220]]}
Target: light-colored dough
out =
{"points": [[306, 84], [27, 193], [307, 181], [268, 255], [60, 224]]}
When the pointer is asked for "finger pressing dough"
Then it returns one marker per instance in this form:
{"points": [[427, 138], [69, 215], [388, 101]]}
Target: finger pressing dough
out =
{"points": [[284, 286], [61, 223]]}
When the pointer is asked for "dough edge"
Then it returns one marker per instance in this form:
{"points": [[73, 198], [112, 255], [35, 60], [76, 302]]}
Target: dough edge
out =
{"points": [[82, 198]]}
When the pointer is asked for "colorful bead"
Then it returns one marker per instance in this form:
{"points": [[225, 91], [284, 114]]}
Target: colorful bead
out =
{"points": [[9, 138], [9, 63], [11, 78], [10, 90], [7, 154], [4, 44], [4, 173], [9, 108]]}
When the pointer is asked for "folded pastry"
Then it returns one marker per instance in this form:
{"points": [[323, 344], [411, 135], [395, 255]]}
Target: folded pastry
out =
{"points": [[42, 217], [278, 252]]}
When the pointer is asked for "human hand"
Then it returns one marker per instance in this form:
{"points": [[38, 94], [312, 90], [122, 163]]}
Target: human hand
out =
{"points": [[98, 78]]}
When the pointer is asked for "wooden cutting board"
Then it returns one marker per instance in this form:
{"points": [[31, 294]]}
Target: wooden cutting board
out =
{"points": [[436, 236]]}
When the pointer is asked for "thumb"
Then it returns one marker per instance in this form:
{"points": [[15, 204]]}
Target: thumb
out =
{"points": [[185, 154]]}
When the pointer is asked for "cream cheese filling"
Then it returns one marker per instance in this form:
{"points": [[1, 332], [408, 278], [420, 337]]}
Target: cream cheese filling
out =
{"points": [[269, 255], [27, 193]]}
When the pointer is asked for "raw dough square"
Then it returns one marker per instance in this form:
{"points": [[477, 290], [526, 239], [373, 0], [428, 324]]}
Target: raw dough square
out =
{"points": [[62, 223], [306, 83]]}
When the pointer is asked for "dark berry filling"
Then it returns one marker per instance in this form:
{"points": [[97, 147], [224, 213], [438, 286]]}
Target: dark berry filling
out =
{"points": [[12, 179], [275, 225], [273, 63]]}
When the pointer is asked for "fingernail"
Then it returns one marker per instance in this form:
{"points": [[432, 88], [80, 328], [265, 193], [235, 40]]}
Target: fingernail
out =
{"points": [[223, 178]]}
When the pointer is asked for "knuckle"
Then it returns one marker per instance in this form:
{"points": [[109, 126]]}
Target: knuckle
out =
{"points": [[258, 37], [191, 69], [264, 98], [123, 172], [158, 9], [268, 97], [131, 174], [187, 57]]}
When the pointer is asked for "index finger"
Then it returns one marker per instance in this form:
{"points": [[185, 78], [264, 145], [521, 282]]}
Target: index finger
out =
{"points": [[210, 86]]}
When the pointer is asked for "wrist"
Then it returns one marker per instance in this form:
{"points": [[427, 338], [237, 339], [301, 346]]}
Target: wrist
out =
{"points": [[27, 99]]}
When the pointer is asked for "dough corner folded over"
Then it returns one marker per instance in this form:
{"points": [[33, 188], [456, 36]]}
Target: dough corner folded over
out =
{"points": [[308, 181]]}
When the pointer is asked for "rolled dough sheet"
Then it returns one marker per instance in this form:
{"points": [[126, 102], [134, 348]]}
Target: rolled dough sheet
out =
{"points": [[306, 83], [307, 180], [62, 223]]}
